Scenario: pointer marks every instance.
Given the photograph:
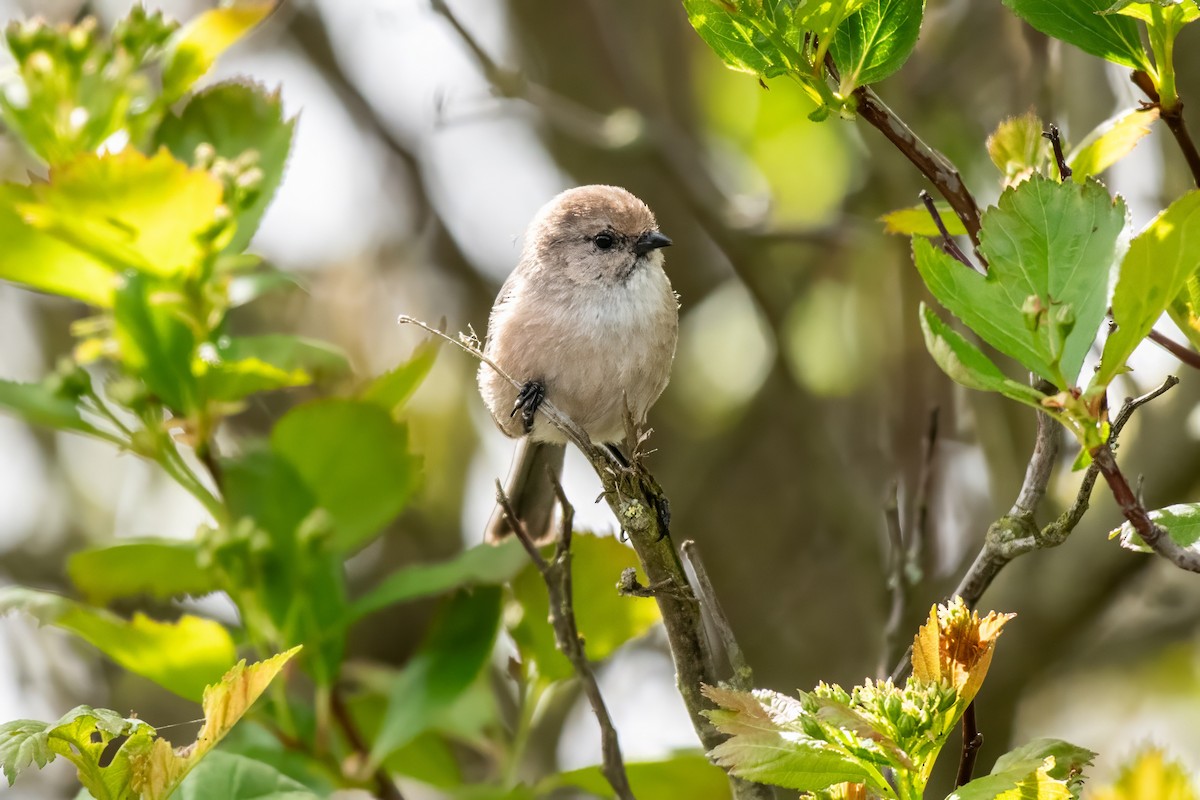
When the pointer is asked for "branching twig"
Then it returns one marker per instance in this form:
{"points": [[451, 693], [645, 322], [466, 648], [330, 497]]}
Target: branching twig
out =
{"points": [[947, 240], [972, 740], [557, 575], [1173, 118], [1185, 355], [636, 500], [932, 164], [1016, 534]]}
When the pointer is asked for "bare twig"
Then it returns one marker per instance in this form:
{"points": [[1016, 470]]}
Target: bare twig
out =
{"points": [[932, 164], [948, 242], [1173, 119], [1064, 171], [637, 500], [742, 676], [972, 740], [1185, 354], [557, 576], [918, 542], [896, 577]]}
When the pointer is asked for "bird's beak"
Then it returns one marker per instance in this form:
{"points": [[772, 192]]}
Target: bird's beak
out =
{"points": [[650, 240]]}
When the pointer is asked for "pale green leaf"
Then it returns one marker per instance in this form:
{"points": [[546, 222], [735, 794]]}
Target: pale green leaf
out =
{"points": [[761, 37], [1154, 271], [392, 389], [1069, 761], [1151, 774], [1109, 142], [1182, 522], [1175, 12], [39, 404], [225, 776], [154, 340], [183, 656], [1017, 147]]}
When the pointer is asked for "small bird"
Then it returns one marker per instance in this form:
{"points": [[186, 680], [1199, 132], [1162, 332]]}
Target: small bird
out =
{"points": [[588, 320]]}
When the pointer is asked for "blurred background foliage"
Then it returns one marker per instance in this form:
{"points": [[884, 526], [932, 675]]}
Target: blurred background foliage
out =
{"points": [[428, 136]]}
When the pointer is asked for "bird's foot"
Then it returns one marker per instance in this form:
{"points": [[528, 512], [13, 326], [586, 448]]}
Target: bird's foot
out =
{"points": [[531, 396]]}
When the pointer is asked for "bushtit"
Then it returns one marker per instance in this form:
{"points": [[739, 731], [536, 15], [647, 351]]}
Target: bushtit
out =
{"points": [[588, 321]]}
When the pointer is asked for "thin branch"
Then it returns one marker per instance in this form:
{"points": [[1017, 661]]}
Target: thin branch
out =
{"points": [[1185, 354], [919, 541], [384, 785], [932, 164], [1173, 118], [742, 676], [636, 500], [1016, 534], [1155, 536], [972, 740], [896, 578], [557, 576], [948, 242]]}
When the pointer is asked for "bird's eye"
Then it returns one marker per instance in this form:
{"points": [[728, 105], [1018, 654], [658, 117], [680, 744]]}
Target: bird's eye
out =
{"points": [[603, 240]]}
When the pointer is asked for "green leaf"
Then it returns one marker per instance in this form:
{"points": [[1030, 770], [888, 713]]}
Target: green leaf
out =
{"points": [[876, 40], [1017, 147], [1081, 23], [1182, 522], [965, 364], [194, 47], [354, 458], [182, 656], [1069, 761], [235, 119], [129, 210], [916, 221], [392, 389], [41, 262], [160, 568], [225, 776], [760, 37], [482, 565], [1019, 784], [154, 340], [767, 744], [1111, 141], [1045, 240], [1154, 271], [681, 775], [606, 619], [39, 404], [456, 648]]}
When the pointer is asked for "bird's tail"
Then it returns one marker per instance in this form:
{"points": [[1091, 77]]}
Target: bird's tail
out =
{"points": [[530, 491]]}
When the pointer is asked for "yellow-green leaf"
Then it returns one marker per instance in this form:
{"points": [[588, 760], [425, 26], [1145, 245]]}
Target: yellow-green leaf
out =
{"points": [[1110, 142], [916, 221], [1017, 147], [1150, 775], [194, 47], [182, 656]]}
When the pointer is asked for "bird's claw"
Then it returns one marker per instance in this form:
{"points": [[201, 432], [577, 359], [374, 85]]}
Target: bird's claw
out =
{"points": [[530, 397]]}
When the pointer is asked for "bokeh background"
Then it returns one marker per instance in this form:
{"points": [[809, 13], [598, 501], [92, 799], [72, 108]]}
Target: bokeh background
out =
{"points": [[801, 391]]}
